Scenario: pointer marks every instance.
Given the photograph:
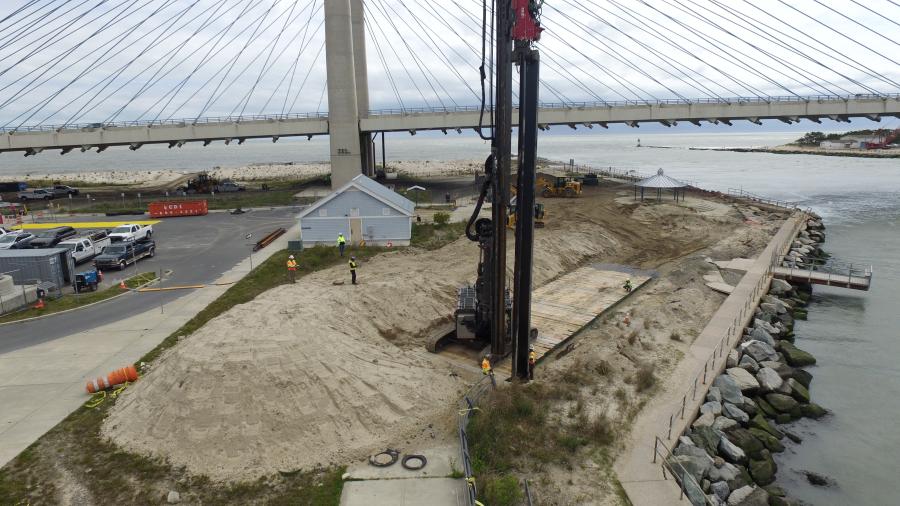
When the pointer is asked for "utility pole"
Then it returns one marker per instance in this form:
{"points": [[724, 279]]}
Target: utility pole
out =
{"points": [[502, 155]]}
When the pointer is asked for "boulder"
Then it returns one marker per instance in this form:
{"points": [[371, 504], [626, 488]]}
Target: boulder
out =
{"points": [[758, 422], [803, 376], [817, 479], [812, 410], [784, 389], [733, 357], [714, 395], [780, 287], [761, 335], [783, 418], [174, 497], [725, 472], [737, 497], [723, 423], [693, 465], [768, 379], [748, 364], [720, 489], [772, 309], [757, 497], [743, 478], [766, 408], [690, 450], [782, 403], [795, 356], [793, 436], [769, 441], [729, 389], [731, 452], [714, 407], [783, 370], [746, 441], [706, 438], [788, 320], [745, 381], [704, 420], [759, 350], [748, 406], [766, 326], [763, 470], [798, 391], [735, 413], [694, 492], [775, 490], [683, 440]]}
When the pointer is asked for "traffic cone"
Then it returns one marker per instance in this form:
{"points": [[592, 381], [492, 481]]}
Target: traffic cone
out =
{"points": [[40, 304], [122, 285]]}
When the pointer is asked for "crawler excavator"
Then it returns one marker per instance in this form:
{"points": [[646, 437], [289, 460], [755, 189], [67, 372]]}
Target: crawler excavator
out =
{"points": [[488, 316]]}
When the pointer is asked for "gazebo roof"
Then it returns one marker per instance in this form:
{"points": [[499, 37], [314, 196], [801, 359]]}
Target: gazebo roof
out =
{"points": [[660, 180]]}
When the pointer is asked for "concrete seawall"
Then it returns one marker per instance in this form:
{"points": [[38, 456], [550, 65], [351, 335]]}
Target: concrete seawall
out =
{"points": [[672, 409]]}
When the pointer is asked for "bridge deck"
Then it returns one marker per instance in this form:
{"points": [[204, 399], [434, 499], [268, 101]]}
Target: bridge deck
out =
{"points": [[823, 278]]}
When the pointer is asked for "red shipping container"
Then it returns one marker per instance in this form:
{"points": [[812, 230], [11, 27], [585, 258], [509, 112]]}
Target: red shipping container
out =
{"points": [[178, 208]]}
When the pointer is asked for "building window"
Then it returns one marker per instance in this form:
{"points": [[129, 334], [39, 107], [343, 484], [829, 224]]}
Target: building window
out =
{"points": [[323, 212], [354, 211], [385, 211]]}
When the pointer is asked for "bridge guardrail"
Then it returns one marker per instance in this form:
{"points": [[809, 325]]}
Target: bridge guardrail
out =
{"points": [[168, 122]]}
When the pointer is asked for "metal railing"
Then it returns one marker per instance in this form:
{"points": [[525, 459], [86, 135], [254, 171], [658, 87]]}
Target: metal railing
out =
{"points": [[642, 102], [742, 194], [684, 478], [466, 406], [166, 122], [732, 336]]}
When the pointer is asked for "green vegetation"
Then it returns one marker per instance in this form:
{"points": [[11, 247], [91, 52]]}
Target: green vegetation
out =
{"points": [[515, 425], [814, 138], [441, 218], [434, 235], [111, 475], [72, 301], [644, 377]]}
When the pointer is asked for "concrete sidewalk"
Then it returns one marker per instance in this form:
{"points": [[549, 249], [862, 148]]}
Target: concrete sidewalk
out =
{"points": [[40, 385], [367, 485], [641, 478]]}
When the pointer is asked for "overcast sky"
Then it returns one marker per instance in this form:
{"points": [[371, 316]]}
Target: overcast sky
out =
{"points": [[65, 61]]}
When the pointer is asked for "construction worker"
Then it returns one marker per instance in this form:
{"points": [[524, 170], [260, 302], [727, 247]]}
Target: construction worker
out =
{"points": [[532, 360], [341, 243], [353, 270], [627, 285], [292, 268], [486, 366]]}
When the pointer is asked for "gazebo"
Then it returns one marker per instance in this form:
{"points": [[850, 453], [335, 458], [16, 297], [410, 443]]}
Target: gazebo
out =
{"points": [[660, 182]]}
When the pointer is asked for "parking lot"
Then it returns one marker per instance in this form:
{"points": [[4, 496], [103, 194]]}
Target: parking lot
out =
{"points": [[189, 251]]}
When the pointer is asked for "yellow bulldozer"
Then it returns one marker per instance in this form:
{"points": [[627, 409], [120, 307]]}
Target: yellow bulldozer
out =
{"points": [[511, 214], [558, 186]]}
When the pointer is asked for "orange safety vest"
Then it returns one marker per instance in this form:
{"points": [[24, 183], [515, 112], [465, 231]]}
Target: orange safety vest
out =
{"points": [[532, 357], [292, 265], [485, 366]]}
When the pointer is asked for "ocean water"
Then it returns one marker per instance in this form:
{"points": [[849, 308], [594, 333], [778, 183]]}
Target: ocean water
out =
{"points": [[853, 334]]}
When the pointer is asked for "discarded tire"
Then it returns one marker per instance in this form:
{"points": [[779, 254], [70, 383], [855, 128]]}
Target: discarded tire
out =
{"points": [[420, 459], [393, 454]]}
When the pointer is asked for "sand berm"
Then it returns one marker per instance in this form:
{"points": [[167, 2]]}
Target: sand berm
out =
{"points": [[313, 373]]}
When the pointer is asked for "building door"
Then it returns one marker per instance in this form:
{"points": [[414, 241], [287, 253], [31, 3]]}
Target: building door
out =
{"points": [[356, 230]]}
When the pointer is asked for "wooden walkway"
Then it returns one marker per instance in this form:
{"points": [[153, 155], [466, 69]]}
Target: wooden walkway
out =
{"points": [[560, 309], [824, 278]]}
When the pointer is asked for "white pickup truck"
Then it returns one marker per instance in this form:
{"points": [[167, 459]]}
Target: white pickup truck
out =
{"points": [[87, 247], [131, 232]]}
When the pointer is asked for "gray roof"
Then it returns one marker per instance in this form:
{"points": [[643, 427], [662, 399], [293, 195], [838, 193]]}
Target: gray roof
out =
{"points": [[31, 253], [660, 180], [376, 190]]}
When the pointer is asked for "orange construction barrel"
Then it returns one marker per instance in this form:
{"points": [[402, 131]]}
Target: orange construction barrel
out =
{"points": [[112, 379]]}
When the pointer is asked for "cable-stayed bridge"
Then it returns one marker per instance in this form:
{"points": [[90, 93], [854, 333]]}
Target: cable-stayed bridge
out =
{"points": [[77, 76]]}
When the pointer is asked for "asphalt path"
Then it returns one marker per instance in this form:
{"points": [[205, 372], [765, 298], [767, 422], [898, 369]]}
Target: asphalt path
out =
{"points": [[189, 251]]}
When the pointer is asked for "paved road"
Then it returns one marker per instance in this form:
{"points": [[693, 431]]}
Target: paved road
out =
{"points": [[197, 250]]}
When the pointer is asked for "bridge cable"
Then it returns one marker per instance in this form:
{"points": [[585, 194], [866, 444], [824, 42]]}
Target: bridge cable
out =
{"points": [[384, 64], [790, 47], [40, 20], [287, 94], [394, 50], [308, 72], [848, 18], [882, 16], [43, 42]]}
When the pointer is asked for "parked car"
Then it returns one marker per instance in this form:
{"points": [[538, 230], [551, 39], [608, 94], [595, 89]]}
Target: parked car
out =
{"points": [[229, 186], [119, 255], [51, 237], [62, 190], [16, 240], [87, 247], [38, 194], [131, 232]]}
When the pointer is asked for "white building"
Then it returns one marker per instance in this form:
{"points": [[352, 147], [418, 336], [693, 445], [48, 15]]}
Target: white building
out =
{"points": [[362, 210]]}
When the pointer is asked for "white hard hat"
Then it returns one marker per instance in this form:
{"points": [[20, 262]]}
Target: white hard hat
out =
{"points": [[291, 257]]}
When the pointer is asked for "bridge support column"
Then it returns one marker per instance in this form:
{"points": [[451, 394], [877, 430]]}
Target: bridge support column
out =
{"points": [[345, 64], [357, 17]]}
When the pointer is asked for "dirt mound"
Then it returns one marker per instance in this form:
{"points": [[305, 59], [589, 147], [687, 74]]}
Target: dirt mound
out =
{"points": [[315, 373]]}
